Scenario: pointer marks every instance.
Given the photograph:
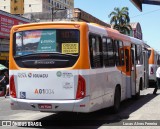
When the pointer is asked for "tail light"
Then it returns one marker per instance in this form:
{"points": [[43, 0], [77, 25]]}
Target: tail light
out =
{"points": [[12, 87], [81, 89], [151, 71]]}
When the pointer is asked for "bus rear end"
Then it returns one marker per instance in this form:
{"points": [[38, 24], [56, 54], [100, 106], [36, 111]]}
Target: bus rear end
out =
{"points": [[152, 61], [44, 68]]}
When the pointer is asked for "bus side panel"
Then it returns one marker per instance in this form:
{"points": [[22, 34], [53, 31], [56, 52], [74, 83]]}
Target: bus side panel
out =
{"points": [[92, 85], [124, 86], [113, 78], [128, 87], [102, 87], [139, 75]]}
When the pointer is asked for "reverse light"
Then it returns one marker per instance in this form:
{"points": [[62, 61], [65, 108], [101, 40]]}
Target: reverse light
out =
{"points": [[12, 87], [151, 71], [81, 89]]}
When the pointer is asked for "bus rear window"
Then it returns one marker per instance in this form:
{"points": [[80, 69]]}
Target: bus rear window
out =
{"points": [[60, 46], [42, 41]]}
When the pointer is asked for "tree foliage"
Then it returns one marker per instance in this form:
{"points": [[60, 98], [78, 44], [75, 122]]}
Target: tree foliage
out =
{"points": [[120, 20]]}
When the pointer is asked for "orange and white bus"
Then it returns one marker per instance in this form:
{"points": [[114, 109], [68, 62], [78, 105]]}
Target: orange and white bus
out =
{"points": [[73, 66], [154, 62]]}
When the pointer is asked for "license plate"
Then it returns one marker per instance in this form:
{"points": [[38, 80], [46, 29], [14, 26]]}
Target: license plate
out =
{"points": [[44, 106]]}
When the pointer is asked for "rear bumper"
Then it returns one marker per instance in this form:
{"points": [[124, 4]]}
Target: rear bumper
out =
{"points": [[81, 105], [152, 77]]}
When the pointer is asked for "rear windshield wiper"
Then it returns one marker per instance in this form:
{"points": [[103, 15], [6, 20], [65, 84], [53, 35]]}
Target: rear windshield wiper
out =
{"points": [[44, 54]]}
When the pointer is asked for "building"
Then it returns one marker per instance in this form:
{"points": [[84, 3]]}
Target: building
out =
{"points": [[136, 30], [84, 16], [12, 6], [31, 6], [74, 14], [7, 20], [37, 11], [17, 7]]}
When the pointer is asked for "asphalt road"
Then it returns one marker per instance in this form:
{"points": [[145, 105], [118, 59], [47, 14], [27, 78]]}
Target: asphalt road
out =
{"points": [[142, 110]]}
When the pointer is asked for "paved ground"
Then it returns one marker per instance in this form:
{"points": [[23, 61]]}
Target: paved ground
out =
{"points": [[146, 108], [7, 114]]}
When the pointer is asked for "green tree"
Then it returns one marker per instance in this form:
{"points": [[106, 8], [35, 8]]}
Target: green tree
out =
{"points": [[120, 20]]}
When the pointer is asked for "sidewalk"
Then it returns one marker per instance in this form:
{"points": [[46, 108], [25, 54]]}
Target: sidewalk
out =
{"points": [[147, 108]]}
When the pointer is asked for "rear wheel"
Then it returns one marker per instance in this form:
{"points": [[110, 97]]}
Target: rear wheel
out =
{"points": [[137, 94], [117, 100]]}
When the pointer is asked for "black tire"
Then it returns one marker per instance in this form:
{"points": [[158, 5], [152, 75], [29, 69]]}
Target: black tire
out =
{"points": [[137, 96], [117, 100]]}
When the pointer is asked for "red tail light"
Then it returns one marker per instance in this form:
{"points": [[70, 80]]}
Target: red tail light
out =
{"points": [[81, 89], [152, 71], [12, 87]]}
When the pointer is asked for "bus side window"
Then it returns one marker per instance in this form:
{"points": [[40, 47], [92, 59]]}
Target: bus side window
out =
{"points": [[158, 60], [155, 58], [110, 52], [91, 51], [119, 52], [134, 54], [127, 60], [136, 58], [95, 46], [105, 50], [139, 55], [116, 48]]}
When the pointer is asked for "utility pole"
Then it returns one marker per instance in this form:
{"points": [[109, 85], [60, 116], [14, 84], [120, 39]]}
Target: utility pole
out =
{"points": [[52, 10]]}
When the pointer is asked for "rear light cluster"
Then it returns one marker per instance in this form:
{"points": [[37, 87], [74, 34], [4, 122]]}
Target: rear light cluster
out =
{"points": [[152, 70], [81, 89], [12, 87]]}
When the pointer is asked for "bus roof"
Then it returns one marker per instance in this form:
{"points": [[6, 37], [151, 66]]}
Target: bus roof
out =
{"points": [[104, 30]]}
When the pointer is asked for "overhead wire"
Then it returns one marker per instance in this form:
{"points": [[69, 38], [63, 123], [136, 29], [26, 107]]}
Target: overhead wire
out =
{"points": [[145, 13]]}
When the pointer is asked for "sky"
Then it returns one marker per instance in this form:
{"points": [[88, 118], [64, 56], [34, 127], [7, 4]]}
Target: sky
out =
{"points": [[149, 18]]}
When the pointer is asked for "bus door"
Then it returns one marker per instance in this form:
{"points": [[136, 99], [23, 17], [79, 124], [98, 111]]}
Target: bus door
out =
{"points": [[146, 69], [133, 69], [128, 72], [130, 64]]}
